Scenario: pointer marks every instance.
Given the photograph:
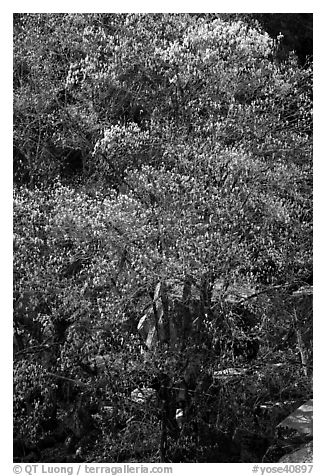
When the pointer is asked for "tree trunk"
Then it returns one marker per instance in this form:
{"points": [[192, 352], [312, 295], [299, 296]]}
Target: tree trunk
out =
{"points": [[186, 312], [301, 346]]}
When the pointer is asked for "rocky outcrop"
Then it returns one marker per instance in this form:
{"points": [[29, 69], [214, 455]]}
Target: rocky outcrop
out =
{"points": [[304, 454], [300, 422], [293, 439]]}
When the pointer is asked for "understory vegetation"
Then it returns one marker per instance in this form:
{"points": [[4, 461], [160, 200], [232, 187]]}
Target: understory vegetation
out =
{"points": [[162, 236]]}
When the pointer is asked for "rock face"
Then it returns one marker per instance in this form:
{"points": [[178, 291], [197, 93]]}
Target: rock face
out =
{"points": [[296, 432], [300, 421], [302, 455], [293, 437]]}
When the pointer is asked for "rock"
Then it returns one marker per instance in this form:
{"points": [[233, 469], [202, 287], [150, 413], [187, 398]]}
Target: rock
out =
{"points": [[304, 454], [293, 437], [300, 421]]}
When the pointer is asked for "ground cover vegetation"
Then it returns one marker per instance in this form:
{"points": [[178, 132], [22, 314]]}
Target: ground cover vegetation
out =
{"points": [[163, 171]]}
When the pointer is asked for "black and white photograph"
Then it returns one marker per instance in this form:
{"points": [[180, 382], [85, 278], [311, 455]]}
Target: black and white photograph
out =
{"points": [[162, 240]]}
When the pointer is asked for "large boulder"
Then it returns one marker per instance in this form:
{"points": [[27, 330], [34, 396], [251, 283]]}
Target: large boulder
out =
{"points": [[300, 422], [304, 454], [293, 437]]}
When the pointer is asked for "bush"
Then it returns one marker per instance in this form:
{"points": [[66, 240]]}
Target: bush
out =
{"points": [[163, 171]]}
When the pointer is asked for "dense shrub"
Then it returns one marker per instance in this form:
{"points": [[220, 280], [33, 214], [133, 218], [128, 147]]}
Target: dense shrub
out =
{"points": [[162, 164]]}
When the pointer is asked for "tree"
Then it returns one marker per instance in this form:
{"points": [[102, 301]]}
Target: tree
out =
{"points": [[193, 211]]}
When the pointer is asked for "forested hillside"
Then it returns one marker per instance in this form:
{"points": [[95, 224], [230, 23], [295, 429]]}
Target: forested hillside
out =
{"points": [[162, 235]]}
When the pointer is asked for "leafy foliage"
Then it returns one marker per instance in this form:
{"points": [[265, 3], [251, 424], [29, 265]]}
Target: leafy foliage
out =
{"points": [[162, 165]]}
